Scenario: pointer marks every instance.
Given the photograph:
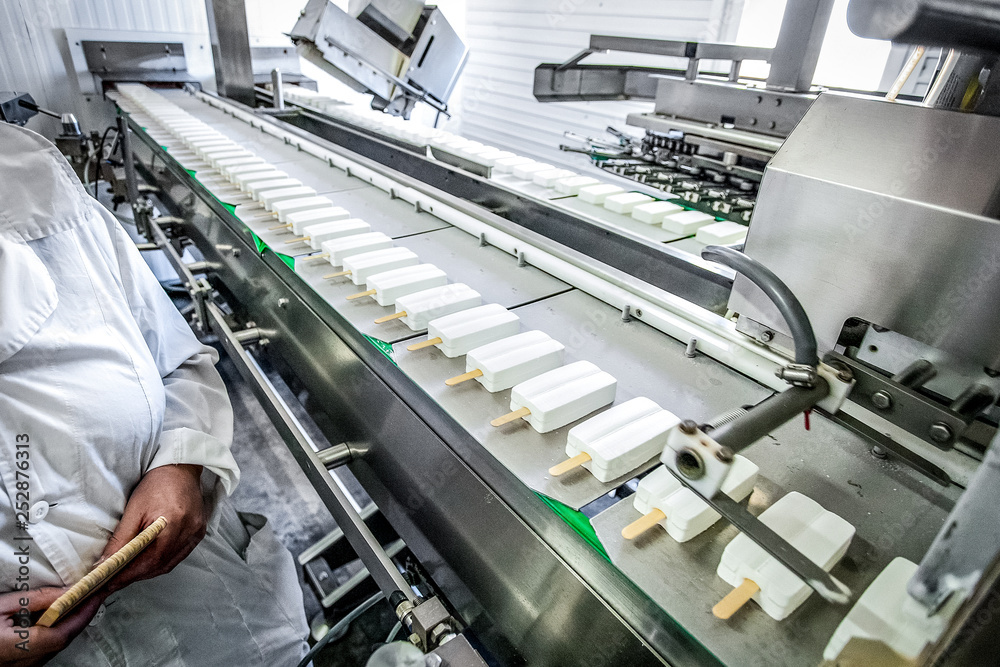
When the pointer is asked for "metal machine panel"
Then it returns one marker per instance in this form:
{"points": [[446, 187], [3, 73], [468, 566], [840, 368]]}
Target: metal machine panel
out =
{"points": [[885, 212], [438, 57]]}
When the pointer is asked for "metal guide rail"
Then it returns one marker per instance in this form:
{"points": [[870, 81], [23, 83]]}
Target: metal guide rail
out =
{"points": [[510, 568]]}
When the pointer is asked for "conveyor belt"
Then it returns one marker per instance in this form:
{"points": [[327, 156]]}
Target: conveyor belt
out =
{"points": [[895, 511]]}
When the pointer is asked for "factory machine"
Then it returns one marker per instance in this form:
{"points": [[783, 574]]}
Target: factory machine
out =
{"points": [[600, 422]]}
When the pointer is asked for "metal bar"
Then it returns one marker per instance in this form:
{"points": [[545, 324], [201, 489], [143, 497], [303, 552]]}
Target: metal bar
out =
{"points": [[658, 123], [768, 415], [369, 550], [278, 88], [227, 29], [803, 27], [818, 579], [131, 182]]}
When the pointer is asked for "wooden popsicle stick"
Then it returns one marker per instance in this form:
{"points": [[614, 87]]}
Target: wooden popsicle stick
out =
{"points": [[301, 239], [736, 598], [100, 574], [337, 274], [427, 343], [313, 258], [395, 316], [569, 464], [640, 526], [367, 292], [459, 379], [284, 226], [511, 416]]}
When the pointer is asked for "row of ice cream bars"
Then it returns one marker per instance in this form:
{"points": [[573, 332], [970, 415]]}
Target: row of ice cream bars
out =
{"points": [[563, 182], [544, 392]]}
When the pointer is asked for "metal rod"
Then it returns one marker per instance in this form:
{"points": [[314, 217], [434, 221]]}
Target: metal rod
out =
{"points": [[917, 374], [768, 415], [277, 88], [131, 181], [355, 529]]}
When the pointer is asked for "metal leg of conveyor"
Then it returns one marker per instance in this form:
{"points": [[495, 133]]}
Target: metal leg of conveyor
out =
{"points": [[371, 553]]}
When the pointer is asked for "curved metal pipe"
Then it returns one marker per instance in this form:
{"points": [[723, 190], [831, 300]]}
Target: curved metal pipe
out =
{"points": [[777, 292]]}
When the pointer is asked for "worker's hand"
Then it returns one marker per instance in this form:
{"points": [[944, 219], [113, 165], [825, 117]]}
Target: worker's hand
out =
{"points": [[27, 646], [174, 492]]}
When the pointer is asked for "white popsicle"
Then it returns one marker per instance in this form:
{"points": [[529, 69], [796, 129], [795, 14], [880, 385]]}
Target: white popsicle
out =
{"points": [[506, 165], [652, 213], [549, 177], [528, 170], [686, 222], [388, 286], [225, 166], [252, 167], [338, 249], [596, 194], [506, 362], [661, 497], [271, 197], [212, 148], [626, 201], [620, 439], [363, 266], [572, 185], [215, 159], [243, 181], [558, 397], [722, 232], [300, 220], [886, 612], [459, 333], [271, 184], [316, 235], [283, 208], [819, 534], [416, 310]]}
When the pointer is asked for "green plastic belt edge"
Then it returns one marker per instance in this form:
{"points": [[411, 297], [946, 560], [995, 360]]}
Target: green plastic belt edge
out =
{"points": [[578, 521]]}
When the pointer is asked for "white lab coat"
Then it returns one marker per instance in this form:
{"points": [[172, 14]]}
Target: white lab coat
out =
{"points": [[103, 380]]}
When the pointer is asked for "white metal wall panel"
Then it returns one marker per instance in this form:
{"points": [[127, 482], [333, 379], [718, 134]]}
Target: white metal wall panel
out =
{"points": [[35, 57], [508, 39]]}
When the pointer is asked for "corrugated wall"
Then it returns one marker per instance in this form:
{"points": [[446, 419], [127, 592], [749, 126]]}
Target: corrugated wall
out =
{"points": [[34, 53], [508, 39]]}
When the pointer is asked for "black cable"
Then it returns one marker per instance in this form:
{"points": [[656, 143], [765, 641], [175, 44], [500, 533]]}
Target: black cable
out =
{"points": [[778, 293], [100, 157], [340, 628]]}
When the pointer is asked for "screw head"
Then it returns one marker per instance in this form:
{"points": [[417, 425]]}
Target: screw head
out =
{"points": [[689, 427], [882, 400], [282, 302], [766, 335], [725, 455], [878, 452], [940, 433]]}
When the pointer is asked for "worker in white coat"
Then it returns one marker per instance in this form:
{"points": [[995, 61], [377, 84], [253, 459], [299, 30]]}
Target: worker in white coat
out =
{"points": [[111, 415]]}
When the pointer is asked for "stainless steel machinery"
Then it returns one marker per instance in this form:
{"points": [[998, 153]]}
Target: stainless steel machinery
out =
{"points": [[871, 236], [400, 52]]}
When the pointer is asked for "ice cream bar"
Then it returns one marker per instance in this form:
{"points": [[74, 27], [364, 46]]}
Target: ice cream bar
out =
{"points": [[225, 166], [271, 184], [298, 205], [527, 171], [365, 265], [417, 309], [459, 333], [572, 184], [722, 232], [622, 438], [683, 514], [271, 197], [652, 213], [215, 147], [626, 201], [509, 361], [215, 158], [253, 167], [820, 535], [243, 181], [506, 165], [886, 612], [338, 249], [548, 178], [324, 231], [596, 194], [300, 219], [560, 396], [388, 286], [687, 222]]}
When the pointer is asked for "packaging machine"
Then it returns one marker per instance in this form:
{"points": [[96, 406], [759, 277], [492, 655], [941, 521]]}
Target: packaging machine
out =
{"points": [[859, 373]]}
